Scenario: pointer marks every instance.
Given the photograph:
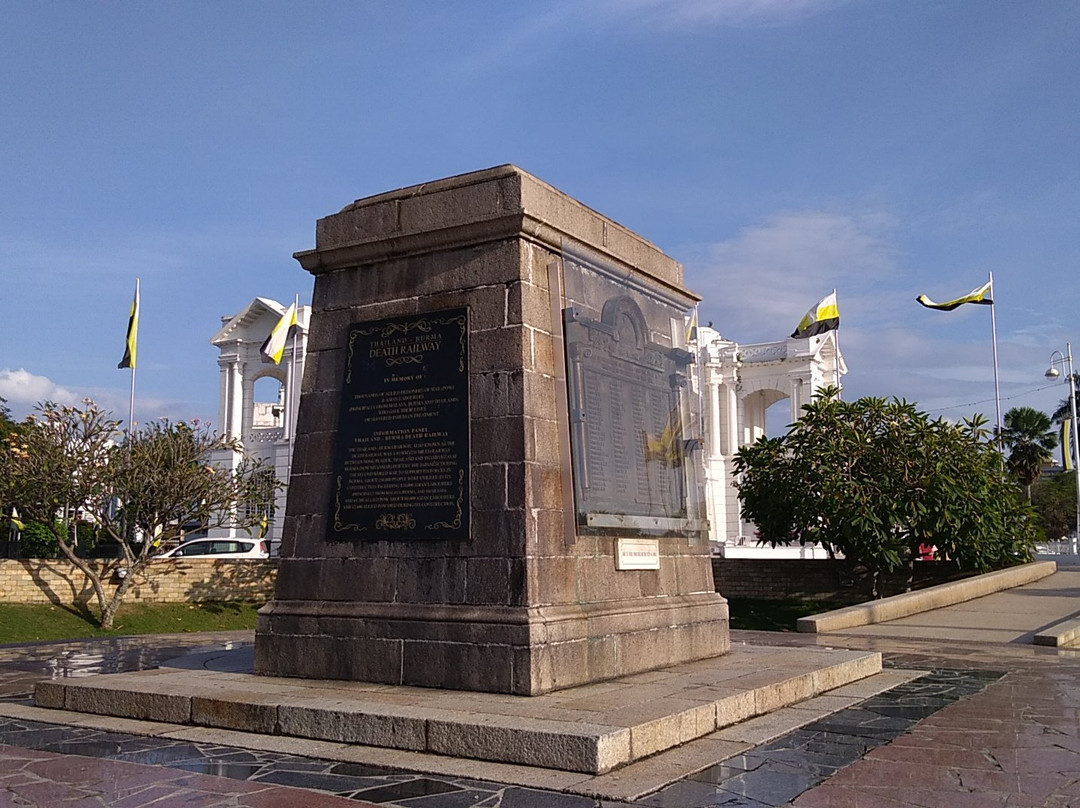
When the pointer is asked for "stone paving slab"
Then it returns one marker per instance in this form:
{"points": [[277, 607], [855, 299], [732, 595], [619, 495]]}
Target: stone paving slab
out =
{"points": [[627, 783], [32, 777], [709, 769], [1043, 612], [592, 729]]}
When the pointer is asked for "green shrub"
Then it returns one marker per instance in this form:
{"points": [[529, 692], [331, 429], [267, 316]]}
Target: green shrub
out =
{"points": [[38, 541]]}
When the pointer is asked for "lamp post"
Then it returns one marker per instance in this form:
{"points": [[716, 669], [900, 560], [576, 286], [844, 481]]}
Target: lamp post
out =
{"points": [[1066, 360]]}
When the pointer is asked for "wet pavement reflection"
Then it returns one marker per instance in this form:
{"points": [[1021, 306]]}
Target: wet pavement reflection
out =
{"points": [[983, 727], [772, 774]]}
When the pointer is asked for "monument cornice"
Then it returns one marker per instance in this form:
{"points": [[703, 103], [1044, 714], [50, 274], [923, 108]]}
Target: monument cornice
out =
{"points": [[521, 225], [475, 210]]}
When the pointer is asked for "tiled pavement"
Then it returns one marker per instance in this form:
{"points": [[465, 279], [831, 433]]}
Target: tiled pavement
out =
{"points": [[990, 724], [770, 775], [985, 727]]}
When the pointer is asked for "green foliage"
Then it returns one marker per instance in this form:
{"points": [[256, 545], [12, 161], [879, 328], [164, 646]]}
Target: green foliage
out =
{"points": [[874, 479], [137, 491], [7, 426], [29, 622], [755, 614], [1054, 499], [38, 541], [1030, 437]]}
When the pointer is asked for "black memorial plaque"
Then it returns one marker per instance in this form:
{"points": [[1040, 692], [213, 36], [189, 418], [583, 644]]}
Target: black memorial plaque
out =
{"points": [[401, 469], [627, 441]]}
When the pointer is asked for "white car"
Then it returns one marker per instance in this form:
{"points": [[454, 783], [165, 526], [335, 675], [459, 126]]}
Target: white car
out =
{"points": [[219, 548]]}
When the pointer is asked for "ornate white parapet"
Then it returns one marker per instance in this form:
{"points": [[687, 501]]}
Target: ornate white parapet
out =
{"points": [[265, 428], [741, 383]]}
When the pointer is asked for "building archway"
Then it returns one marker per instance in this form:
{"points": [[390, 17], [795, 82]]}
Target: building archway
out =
{"points": [[742, 386]]}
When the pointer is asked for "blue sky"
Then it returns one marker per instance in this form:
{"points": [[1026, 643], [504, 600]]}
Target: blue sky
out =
{"points": [[777, 148]]}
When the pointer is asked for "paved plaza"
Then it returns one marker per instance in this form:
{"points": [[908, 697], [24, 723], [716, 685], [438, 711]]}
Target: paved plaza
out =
{"points": [[968, 711]]}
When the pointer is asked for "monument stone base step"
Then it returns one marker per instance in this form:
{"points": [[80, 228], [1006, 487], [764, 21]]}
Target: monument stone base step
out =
{"points": [[594, 728]]}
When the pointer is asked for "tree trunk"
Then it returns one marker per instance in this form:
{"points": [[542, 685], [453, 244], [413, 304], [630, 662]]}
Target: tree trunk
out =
{"points": [[87, 570]]}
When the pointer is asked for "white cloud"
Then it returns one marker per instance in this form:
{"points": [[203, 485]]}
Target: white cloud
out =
{"points": [[23, 390], [759, 284], [518, 40], [694, 13]]}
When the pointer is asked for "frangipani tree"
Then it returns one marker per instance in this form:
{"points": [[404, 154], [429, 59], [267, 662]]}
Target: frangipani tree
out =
{"points": [[873, 480], [140, 490]]}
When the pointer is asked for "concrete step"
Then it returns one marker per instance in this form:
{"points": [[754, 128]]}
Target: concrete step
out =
{"points": [[594, 729]]}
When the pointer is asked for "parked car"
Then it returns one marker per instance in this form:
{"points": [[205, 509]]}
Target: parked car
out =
{"points": [[219, 548]]}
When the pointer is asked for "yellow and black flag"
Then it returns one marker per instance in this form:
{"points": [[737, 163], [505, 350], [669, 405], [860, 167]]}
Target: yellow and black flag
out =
{"points": [[132, 333], [821, 318], [980, 296], [692, 327], [1067, 444], [274, 346]]}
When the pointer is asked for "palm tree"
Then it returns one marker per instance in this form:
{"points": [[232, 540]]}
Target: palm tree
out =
{"points": [[1030, 437], [1064, 410]]}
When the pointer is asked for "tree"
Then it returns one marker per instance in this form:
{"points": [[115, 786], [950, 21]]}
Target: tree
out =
{"points": [[875, 479], [7, 426], [139, 490], [1054, 499], [1030, 439], [1064, 410]]}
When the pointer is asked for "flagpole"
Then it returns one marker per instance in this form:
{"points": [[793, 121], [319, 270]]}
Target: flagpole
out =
{"points": [[836, 346], [291, 410], [993, 333], [131, 398]]}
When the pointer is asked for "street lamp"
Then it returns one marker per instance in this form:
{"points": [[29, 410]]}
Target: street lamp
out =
{"points": [[1074, 449]]}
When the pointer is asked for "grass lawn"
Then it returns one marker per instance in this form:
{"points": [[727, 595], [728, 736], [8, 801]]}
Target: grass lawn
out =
{"points": [[26, 623], [775, 615], [23, 623]]}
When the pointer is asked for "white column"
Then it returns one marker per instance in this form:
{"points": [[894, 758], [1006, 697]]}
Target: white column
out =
{"points": [[224, 374], [236, 401], [247, 406], [733, 420], [715, 433]]}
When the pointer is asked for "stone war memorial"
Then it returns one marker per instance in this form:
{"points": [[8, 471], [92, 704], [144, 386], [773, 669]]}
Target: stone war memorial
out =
{"points": [[496, 483], [495, 545]]}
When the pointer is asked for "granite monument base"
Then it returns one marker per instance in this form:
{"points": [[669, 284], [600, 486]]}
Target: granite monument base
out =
{"points": [[523, 651]]}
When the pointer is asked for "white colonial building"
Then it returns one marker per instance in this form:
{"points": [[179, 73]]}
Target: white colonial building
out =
{"points": [[739, 384], [258, 400]]}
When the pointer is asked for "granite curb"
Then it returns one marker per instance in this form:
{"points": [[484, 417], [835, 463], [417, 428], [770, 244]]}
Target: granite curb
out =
{"points": [[924, 600], [1063, 633]]}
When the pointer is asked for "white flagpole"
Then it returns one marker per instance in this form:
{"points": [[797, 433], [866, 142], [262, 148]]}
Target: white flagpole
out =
{"points": [[836, 347], [993, 332], [291, 411]]}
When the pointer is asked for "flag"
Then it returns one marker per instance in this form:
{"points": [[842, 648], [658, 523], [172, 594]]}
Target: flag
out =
{"points": [[132, 333], [274, 346], [821, 318], [15, 519], [691, 327], [979, 296], [1067, 444]]}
